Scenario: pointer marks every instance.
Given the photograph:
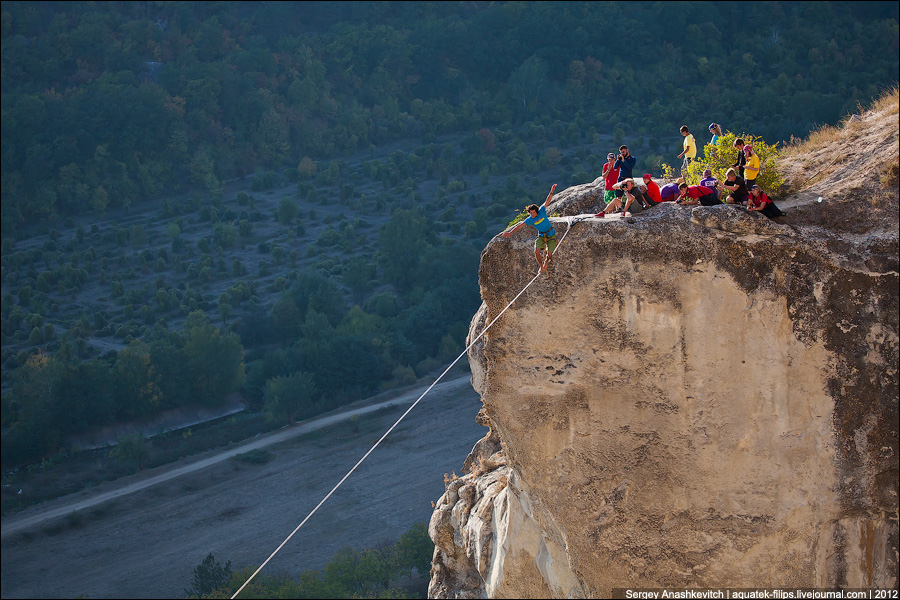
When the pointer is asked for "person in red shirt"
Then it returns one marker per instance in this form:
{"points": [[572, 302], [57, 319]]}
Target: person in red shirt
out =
{"points": [[652, 189], [759, 201], [610, 176], [696, 194]]}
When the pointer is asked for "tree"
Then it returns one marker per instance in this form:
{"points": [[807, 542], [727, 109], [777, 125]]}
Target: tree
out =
{"points": [[357, 275], [287, 210], [209, 576], [100, 200], [415, 550], [307, 167], [215, 359], [225, 235], [527, 85], [400, 243], [35, 406], [137, 383], [291, 396], [133, 449], [224, 309]]}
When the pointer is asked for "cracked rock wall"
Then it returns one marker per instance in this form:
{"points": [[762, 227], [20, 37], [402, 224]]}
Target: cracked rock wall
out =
{"points": [[694, 398]]}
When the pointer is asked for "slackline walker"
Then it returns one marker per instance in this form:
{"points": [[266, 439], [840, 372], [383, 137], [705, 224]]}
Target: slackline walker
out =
{"points": [[570, 221]]}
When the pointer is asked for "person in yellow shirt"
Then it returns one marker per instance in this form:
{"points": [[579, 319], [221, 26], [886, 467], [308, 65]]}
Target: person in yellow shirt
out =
{"points": [[751, 169], [690, 148]]}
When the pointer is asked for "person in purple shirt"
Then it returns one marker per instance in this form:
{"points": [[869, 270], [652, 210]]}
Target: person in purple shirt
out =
{"points": [[710, 182], [669, 192]]}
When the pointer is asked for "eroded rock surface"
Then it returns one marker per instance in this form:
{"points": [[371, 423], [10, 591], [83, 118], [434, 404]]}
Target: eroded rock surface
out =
{"points": [[695, 397]]}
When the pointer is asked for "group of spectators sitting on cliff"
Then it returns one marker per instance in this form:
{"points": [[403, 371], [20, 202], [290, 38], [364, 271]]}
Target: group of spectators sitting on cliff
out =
{"points": [[623, 194]]}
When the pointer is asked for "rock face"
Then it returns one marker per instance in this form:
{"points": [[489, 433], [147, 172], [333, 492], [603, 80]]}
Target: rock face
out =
{"points": [[694, 397]]}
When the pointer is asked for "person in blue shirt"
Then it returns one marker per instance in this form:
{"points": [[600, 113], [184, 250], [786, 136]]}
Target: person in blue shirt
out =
{"points": [[546, 234], [625, 164], [716, 130]]}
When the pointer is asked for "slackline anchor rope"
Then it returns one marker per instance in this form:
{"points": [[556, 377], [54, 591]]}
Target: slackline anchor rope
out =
{"points": [[570, 221]]}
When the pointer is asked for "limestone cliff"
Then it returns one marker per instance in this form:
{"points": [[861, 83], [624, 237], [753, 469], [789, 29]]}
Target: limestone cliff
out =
{"points": [[693, 397]]}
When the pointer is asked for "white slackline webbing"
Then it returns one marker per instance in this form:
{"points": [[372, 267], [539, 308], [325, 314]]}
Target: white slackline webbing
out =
{"points": [[408, 410]]}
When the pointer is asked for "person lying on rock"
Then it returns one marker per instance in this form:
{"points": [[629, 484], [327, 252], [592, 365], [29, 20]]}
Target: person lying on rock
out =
{"points": [[546, 234], [669, 192], [697, 194], [759, 201]]}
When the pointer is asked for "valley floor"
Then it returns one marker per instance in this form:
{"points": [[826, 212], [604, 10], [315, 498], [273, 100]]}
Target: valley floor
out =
{"points": [[146, 543]]}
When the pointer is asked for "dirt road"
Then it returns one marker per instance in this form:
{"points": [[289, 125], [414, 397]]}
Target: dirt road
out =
{"points": [[142, 537]]}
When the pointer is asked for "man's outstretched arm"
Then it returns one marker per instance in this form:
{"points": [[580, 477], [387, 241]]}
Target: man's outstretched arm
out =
{"points": [[549, 196], [514, 229]]}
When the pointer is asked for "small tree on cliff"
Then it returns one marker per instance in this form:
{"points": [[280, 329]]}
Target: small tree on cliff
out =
{"points": [[720, 157]]}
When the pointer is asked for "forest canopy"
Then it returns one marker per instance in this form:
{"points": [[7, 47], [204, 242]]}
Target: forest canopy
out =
{"points": [[107, 104], [379, 146]]}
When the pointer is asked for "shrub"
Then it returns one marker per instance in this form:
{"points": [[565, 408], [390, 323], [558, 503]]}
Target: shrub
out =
{"points": [[720, 157], [307, 167], [287, 210], [255, 457], [225, 235], [131, 448]]}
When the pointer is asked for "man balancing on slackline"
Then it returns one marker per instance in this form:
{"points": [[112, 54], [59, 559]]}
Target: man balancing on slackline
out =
{"points": [[546, 234]]}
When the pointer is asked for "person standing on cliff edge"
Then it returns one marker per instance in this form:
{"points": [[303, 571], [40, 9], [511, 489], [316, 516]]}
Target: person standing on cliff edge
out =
{"points": [[546, 234]]}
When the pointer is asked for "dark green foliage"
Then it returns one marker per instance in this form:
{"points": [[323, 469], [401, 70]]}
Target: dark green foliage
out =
{"points": [[224, 235], [215, 359], [415, 549], [350, 573], [358, 275], [400, 244], [131, 449], [209, 576], [254, 457], [287, 210], [130, 111], [55, 396], [291, 397], [250, 94]]}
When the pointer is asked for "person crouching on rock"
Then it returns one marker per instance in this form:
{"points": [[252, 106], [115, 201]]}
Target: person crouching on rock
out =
{"points": [[735, 184], [759, 201], [632, 195], [651, 190], [546, 234]]}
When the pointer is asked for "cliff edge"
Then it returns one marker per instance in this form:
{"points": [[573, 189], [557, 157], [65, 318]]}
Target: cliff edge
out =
{"points": [[695, 397]]}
